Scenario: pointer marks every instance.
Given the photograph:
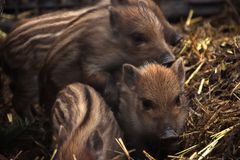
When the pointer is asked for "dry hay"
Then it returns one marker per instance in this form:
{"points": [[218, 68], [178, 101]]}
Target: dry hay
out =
{"points": [[212, 55], [211, 50]]}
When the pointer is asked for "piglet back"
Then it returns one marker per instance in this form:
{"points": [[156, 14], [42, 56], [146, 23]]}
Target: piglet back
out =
{"points": [[84, 126]]}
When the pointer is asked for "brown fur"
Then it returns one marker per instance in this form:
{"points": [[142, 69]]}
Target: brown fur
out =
{"points": [[84, 127], [151, 105], [101, 42]]}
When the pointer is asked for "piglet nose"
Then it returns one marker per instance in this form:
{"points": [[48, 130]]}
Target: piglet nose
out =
{"points": [[169, 135], [168, 59], [177, 38]]}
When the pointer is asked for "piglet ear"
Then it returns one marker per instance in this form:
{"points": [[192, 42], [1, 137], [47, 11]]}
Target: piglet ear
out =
{"points": [[142, 3], [179, 69], [131, 76], [119, 2]]}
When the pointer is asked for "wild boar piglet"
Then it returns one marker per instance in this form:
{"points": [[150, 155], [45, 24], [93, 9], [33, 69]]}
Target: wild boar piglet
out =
{"points": [[98, 43], [84, 127], [172, 36], [152, 111]]}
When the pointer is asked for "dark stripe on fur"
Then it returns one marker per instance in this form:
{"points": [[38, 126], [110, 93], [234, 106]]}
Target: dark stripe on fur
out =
{"points": [[88, 105], [60, 113]]}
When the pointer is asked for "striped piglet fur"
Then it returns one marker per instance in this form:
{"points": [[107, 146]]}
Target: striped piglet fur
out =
{"points": [[24, 50], [84, 127], [37, 34], [32, 38], [27, 46]]}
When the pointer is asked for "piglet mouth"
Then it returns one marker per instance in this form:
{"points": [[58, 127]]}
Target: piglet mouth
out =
{"points": [[168, 64]]}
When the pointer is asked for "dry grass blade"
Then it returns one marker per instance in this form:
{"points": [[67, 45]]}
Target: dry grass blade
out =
{"points": [[196, 20], [53, 154], [186, 44], [194, 73], [148, 155], [224, 132], [235, 88], [201, 106], [18, 154], [236, 96], [189, 18], [175, 157], [201, 86], [181, 153], [123, 147], [208, 149], [10, 117]]}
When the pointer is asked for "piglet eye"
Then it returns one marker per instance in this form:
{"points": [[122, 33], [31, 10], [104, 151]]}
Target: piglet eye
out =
{"points": [[147, 104], [138, 38], [178, 100]]}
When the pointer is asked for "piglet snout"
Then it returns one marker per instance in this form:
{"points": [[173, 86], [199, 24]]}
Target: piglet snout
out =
{"points": [[169, 135], [177, 38]]}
